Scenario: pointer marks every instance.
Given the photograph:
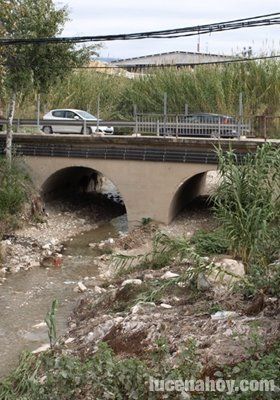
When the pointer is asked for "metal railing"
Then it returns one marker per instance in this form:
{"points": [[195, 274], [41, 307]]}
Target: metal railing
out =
{"points": [[266, 126], [262, 126], [192, 125], [83, 124]]}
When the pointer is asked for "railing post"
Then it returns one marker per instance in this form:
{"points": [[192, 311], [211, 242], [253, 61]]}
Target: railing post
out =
{"points": [[240, 114], [176, 126], [157, 127], [186, 109], [98, 112], [265, 128], [135, 118], [38, 110], [164, 113], [85, 127]]}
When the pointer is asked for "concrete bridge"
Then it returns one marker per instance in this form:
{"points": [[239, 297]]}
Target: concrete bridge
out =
{"points": [[156, 176]]}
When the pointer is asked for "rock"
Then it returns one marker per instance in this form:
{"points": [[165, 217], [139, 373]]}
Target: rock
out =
{"points": [[40, 325], [224, 315], [229, 271], [142, 307], [92, 245], [46, 246], [99, 290], [169, 275], [101, 330], [148, 277], [41, 349], [2, 272], [51, 261], [167, 306], [34, 264], [80, 288], [132, 282], [202, 282], [69, 340]]}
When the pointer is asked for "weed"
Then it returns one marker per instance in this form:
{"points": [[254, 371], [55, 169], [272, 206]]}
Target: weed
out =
{"points": [[213, 242], [247, 203], [51, 323]]}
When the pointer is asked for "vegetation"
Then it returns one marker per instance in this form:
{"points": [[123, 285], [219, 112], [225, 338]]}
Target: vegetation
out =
{"points": [[50, 320], [15, 187], [28, 67], [104, 376], [205, 88], [247, 204]]}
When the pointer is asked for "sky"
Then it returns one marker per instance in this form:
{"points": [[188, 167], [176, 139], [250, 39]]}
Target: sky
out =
{"points": [[94, 17]]}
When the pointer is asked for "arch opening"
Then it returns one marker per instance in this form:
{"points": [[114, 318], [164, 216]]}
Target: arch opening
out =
{"points": [[83, 188], [193, 193]]}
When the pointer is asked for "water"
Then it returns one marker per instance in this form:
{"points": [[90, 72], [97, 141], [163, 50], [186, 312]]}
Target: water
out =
{"points": [[26, 297]]}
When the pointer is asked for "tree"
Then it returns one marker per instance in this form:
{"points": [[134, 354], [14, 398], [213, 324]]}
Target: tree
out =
{"points": [[34, 65]]}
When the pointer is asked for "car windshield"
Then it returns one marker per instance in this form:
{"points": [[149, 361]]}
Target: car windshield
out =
{"points": [[86, 115]]}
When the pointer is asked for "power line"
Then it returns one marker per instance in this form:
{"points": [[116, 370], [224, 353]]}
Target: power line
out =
{"points": [[257, 21]]}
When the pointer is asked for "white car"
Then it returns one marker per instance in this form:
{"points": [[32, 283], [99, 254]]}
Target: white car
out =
{"points": [[70, 115]]}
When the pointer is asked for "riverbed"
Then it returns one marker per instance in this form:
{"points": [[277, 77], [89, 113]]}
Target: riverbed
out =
{"points": [[26, 297]]}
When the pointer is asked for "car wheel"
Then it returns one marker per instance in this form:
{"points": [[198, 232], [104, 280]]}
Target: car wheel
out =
{"points": [[88, 130], [47, 129]]}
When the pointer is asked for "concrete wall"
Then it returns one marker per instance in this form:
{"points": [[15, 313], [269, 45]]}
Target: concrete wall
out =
{"points": [[149, 189]]}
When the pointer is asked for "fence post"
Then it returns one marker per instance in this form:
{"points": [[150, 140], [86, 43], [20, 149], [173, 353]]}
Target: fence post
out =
{"points": [[85, 127], [164, 112], [176, 126], [186, 109], [38, 110], [157, 127], [265, 128], [240, 116], [98, 112], [135, 118]]}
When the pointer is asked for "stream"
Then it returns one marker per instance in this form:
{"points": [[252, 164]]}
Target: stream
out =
{"points": [[26, 297]]}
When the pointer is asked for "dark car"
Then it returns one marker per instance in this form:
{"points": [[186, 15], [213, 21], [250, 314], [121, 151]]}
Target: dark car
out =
{"points": [[202, 125]]}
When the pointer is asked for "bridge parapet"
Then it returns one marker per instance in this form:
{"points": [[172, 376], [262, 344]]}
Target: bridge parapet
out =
{"points": [[161, 149]]}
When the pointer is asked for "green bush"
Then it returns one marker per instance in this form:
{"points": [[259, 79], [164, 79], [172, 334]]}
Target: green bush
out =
{"points": [[247, 204], [213, 242], [14, 190]]}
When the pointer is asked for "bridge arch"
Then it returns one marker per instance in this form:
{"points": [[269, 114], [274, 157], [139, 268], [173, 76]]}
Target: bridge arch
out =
{"points": [[75, 181], [148, 189], [187, 190]]}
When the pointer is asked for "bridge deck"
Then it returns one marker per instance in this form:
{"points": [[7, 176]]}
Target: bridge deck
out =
{"points": [[144, 148]]}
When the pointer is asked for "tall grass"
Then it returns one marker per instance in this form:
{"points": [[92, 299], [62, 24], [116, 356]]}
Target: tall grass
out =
{"points": [[15, 188], [247, 204], [213, 89]]}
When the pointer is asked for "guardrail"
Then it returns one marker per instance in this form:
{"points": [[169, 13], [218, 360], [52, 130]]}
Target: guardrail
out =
{"points": [[42, 122], [171, 125], [192, 125]]}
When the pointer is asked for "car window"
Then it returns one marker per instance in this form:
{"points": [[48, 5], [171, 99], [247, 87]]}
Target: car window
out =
{"points": [[59, 114], [71, 114]]}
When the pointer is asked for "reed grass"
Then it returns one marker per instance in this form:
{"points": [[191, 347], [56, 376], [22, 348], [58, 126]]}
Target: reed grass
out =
{"points": [[212, 89]]}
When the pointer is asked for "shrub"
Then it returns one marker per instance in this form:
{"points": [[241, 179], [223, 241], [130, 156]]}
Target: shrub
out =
{"points": [[247, 203], [14, 189]]}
